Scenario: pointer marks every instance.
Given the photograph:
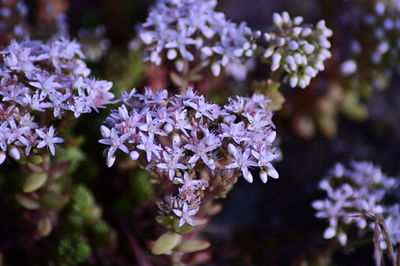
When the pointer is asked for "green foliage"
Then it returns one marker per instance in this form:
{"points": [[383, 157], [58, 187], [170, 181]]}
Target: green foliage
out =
{"points": [[74, 155], [140, 187], [129, 70], [85, 218], [82, 206], [72, 252], [139, 191]]}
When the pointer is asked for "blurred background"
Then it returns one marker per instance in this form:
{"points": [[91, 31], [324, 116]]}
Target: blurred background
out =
{"points": [[260, 224]]}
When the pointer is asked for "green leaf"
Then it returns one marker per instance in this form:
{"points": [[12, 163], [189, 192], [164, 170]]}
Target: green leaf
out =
{"points": [[166, 243], [183, 230], [53, 200], [164, 221], [36, 159], [193, 245], [34, 182], [27, 202]]}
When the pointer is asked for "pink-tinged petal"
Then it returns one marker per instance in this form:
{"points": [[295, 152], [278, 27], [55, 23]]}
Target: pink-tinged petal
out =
{"points": [[232, 166], [2, 157], [52, 149], [273, 173], [162, 165], [110, 161], [41, 144], [193, 212], [178, 212], [58, 140], [171, 174], [190, 221], [329, 233], [247, 175], [194, 159], [181, 222], [264, 176]]}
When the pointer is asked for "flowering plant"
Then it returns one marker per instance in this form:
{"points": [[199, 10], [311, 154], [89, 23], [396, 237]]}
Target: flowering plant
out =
{"points": [[197, 147], [45, 81], [217, 107], [357, 194]]}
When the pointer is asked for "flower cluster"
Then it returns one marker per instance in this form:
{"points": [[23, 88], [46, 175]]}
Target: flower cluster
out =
{"points": [[297, 49], [186, 141], [40, 82], [13, 14], [375, 55], [192, 31], [354, 194], [385, 21]]}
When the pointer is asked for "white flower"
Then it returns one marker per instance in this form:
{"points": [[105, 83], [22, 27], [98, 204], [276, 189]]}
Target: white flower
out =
{"points": [[46, 84], [207, 144], [191, 184], [148, 145], [351, 193], [48, 139], [234, 131], [115, 142], [186, 215], [265, 157], [182, 137], [171, 164], [152, 126], [241, 161]]}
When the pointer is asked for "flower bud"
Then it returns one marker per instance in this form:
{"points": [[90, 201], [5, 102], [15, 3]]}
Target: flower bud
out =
{"points": [[216, 69], [105, 131], [168, 128], [171, 54], [276, 59], [2, 157], [277, 19], [264, 176], [14, 153], [134, 155], [110, 161]]}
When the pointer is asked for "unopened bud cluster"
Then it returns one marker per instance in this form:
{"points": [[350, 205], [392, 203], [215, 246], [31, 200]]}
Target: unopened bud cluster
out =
{"points": [[192, 31], [41, 82], [354, 195], [299, 50], [186, 141], [188, 30]]}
